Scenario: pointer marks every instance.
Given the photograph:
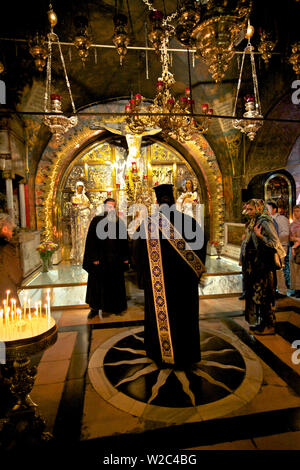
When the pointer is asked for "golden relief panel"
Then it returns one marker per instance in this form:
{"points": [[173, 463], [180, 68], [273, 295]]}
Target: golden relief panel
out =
{"points": [[77, 174], [183, 174], [100, 176], [161, 154], [99, 153], [162, 174]]}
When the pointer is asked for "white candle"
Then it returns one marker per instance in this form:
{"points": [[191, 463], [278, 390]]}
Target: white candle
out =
{"points": [[7, 296], [25, 302], [29, 300], [48, 299]]}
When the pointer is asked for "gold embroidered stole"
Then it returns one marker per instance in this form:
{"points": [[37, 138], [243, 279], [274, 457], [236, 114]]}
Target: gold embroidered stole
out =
{"points": [[158, 289], [153, 224], [181, 246]]}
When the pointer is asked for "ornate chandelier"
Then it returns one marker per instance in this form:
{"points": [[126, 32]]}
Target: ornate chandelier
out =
{"points": [[215, 36], [266, 46], [295, 57], [188, 19], [174, 117], [158, 32], [38, 50], [58, 123], [82, 39], [120, 37], [252, 101]]}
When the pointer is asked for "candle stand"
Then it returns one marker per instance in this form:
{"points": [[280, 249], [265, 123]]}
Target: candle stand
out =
{"points": [[20, 422]]}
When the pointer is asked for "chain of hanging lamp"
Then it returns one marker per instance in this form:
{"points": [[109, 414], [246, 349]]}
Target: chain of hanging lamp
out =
{"points": [[58, 123]]}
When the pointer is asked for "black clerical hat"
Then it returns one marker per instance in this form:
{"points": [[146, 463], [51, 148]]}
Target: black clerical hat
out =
{"points": [[164, 193]]}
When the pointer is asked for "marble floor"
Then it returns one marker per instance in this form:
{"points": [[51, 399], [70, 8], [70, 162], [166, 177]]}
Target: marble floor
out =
{"points": [[101, 396]]}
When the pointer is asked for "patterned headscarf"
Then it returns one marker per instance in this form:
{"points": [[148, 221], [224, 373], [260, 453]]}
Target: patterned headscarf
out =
{"points": [[261, 212]]}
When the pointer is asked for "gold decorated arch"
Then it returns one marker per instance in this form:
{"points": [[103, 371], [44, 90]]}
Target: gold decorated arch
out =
{"points": [[90, 155]]}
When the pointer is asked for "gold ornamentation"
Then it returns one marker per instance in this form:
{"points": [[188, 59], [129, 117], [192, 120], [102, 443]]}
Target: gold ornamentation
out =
{"points": [[162, 174], [100, 176], [216, 35], [120, 37], [181, 246], [295, 58], [160, 153], [158, 289], [82, 39], [266, 46], [38, 50], [98, 153]]}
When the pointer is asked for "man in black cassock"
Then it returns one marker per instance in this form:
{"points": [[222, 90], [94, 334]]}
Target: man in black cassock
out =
{"points": [[171, 262], [105, 259]]}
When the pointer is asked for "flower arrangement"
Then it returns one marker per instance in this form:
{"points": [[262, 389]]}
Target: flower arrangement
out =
{"points": [[46, 249], [216, 243]]}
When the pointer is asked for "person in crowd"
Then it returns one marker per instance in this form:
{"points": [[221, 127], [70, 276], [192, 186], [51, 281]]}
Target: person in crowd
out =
{"points": [[242, 251], [105, 259], [262, 249], [295, 255], [282, 226], [170, 254]]}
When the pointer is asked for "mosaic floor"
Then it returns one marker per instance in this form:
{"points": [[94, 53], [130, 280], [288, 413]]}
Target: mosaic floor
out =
{"points": [[100, 394]]}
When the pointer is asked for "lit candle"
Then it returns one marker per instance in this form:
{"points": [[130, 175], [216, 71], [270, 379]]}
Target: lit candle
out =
{"points": [[48, 301], [47, 314], [204, 108], [127, 108], [7, 296], [118, 185], [40, 307], [25, 302], [133, 167], [210, 111], [188, 91], [29, 300]]}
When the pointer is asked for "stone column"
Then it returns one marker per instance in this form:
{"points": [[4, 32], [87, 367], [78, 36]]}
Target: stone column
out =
{"points": [[22, 204], [9, 193]]}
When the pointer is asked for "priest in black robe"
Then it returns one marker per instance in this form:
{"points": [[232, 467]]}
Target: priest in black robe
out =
{"points": [[105, 259], [170, 258]]}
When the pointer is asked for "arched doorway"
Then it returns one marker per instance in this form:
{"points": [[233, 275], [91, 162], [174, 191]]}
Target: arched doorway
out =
{"points": [[196, 156], [100, 166]]}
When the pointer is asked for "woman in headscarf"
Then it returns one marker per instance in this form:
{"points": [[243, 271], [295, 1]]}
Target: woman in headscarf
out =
{"points": [[295, 239], [80, 219], [261, 245]]}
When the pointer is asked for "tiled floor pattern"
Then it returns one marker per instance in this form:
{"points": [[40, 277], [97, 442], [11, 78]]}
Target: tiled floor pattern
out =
{"points": [[73, 409]]}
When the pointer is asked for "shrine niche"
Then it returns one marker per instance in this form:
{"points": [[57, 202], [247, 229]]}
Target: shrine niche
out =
{"points": [[110, 170], [194, 160], [278, 188]]}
